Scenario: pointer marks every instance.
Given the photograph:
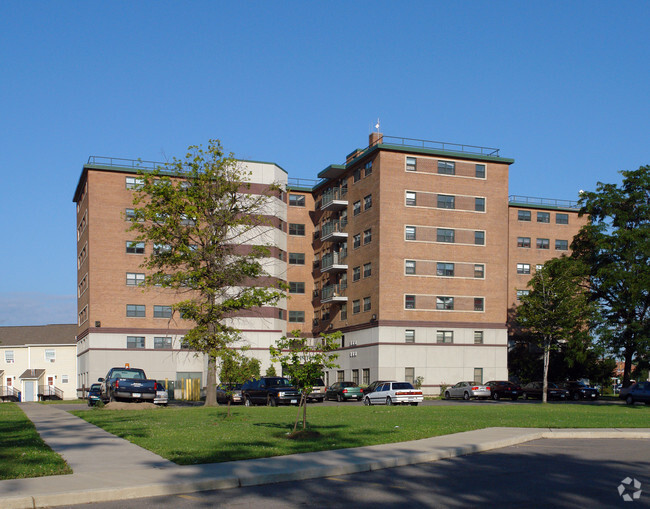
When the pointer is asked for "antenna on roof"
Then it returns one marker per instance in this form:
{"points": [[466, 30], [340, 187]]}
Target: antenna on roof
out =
{"points": [[377, 124]]}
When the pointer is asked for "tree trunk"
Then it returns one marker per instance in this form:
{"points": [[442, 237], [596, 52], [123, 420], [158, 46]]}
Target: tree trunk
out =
{"points": [[547, 352], [627, 369], [211, 386], [304, 410]]}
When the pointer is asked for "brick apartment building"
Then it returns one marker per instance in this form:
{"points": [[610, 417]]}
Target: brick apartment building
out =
{"points": [[412, 249]]}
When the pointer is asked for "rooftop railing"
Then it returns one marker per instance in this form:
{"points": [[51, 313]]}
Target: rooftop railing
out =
{"points": [[118, 162], [440, 145], [543, 202]]}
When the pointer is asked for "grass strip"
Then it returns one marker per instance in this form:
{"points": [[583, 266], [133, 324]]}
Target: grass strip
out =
{"points": [[22, 451], [205, 435]]}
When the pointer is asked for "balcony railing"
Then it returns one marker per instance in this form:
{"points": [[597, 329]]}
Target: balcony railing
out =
{"points": [[335, 199], [9, 393], [334, 293], [49, 392], [334, 261], [334, 228], [543, 202]]}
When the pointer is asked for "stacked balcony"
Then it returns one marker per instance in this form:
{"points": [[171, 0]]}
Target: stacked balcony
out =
{"points": [[332, 231], [335, 199], [333, 293], [334, 262]]}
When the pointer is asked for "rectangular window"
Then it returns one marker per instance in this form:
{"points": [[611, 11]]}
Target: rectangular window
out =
{"points": [[523, 215], [297, 200], [561, 218], [356, 306], [135, 247], [296, 316], [479, 204], [410, 232], [447, 167], [356, 241], [340, 375], [446, 202], [134, 183], [445, 269], [479, 238], [344, 311], [409, 266], [134, 279], [479, 304], [135, 341], [523, 268], [409, 335], [297, 229], [409, 302], [281, 314], [296, 287], [543, 217], [355, 376], [162, 311], [187, 220], [159, 249], [367, 269], [561, 245], [479, 271], [480, 171], [135, 310], [444, 303], [446, 235], [9, 356], [409, 375], [162, 342], [367, 236], [356, 208], [523, 241], [296, 258], [64, 379], [411, 198], [368, 169], [50, 355], [365, 374], [478, 337], [478, 375], [356, 273], [357, 175], [411, 164], [445, 336], [367, 305], [129, 214], [521, 293], [542, 243], [367, 202]]}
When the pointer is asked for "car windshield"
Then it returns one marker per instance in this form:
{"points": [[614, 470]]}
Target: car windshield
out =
{"points": [[402, 385], [278, 382]]}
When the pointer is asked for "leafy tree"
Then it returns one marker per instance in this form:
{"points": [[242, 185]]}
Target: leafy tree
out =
{"points": [[207, 231], [270, 371], [557, 309], [236, 368], [615, 245], [303, 361]]}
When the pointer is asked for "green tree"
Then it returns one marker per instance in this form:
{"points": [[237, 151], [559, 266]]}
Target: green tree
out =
{"points": [[207, 232], [303, 361], [557, 309], [615, 245], [270, 371], [236, 368]]}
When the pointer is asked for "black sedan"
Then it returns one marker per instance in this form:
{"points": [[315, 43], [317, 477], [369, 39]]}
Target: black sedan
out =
{"points": [[578, 390], [229, 392], [639, 391], [504, 389], [535, 389]]}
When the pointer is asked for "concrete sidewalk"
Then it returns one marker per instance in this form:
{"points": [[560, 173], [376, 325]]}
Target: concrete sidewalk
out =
{"points": [[108, 468]]}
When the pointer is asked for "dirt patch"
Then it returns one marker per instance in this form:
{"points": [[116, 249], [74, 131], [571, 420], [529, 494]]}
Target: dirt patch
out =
{"points": [[304, 434], [119, 405]]}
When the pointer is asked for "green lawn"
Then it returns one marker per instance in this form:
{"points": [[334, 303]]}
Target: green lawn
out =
{"points": [[22, 452], [205, 435]]}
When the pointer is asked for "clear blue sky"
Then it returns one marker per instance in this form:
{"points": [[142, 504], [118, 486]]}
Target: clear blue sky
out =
{"points": [[561, 87]]}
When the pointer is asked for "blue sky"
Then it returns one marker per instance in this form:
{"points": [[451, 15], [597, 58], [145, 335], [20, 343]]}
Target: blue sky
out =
{"points": [[561, 87]]}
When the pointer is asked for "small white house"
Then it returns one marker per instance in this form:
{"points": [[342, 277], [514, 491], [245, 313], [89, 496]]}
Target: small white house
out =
{"points": [[38, 362]]}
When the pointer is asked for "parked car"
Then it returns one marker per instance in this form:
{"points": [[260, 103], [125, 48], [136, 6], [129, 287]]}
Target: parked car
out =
{"points": [[467, 390], [373, 386], [271, 391], [162, 395], [504, 389], [318, 389], [394, 393], [639, 391], [128, 384], [343, 391], [535, 389], [579, 390], [229, 392], [94, 394]]}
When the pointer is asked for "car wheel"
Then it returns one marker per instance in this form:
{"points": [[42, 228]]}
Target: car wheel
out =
{"points": [[366, 401], [339, 398], [525, 395], [247, 401], [272, 401], [514, 398], [629, 400], [576, 396], [495, 396], [414, 404], [447, 395], [389, 402], [466, 396]]}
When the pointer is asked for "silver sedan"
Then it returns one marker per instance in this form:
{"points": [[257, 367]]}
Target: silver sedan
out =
{"points": [[467, 391]]}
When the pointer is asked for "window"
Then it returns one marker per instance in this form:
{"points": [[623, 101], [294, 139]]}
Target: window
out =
{"points": [[367, 202], [297, 200], [480, 171], [479, 204], [479, 238], [129, 214], [523, 215], [479, 304], [50, 355], [365, 375], [410, 232], [368, 169], [367, 269], [9, 356], [411, 164], [134, 183], [543, 217], [561, 245], [479, 271], [409, 375], [134, 279], [356, 306], [356, 208], [542, 244], [357, 175], [159, 249], [296, 258], [561, 218], [64, 379], [444, 303], [355, 376], [135, 341], [523, 241], [135, 247], [297, 229], [135, 310], [444, 336], [296, 287], [344, 312], [409, 335], [478, 337], [296, 316], [162, 311], [340, 375], [367, 305], [281, 314], [162, 342], [356, 273], [411, 198], [445, 269], [445, 235], [446, 202], [367, 236], [187, 220], [478, 375], [409, 266], [522, 293], [447, 167], [409, 302], [523, 268], [356, 241]]}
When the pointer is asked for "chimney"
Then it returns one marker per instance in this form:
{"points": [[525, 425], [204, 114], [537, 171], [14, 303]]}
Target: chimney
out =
{"points": [[375, 138]]}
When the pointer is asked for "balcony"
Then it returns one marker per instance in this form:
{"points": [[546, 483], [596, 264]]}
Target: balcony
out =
{"points": [[333, 293], [332, 231], [335, 199], [333, 262]]}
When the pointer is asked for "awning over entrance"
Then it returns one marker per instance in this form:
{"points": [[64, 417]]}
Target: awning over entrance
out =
{"points": [[32, 374]]}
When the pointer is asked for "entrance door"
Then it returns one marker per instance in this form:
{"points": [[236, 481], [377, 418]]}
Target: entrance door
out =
{"points": [[30, 391]]}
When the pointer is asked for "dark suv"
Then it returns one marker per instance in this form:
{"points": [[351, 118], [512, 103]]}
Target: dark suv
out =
{"points": [[271, 391], [578, 390]]}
